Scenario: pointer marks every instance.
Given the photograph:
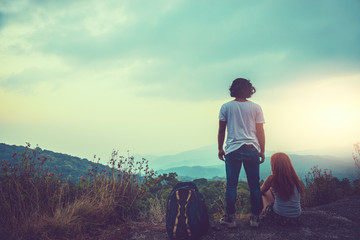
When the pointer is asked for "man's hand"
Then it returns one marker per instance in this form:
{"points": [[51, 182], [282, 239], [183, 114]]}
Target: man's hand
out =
{"points": [[221, 154], [262, 156], [221, 138], [260, 134]]}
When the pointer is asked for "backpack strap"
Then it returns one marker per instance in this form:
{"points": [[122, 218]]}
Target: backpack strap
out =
{"points": [[186, 216], [178, 214]]}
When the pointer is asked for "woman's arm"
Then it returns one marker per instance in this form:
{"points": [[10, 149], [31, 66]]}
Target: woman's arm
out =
{"points": [[266, 185]]}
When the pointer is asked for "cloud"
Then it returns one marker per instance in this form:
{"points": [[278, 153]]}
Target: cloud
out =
{"points": [[190, 49]]}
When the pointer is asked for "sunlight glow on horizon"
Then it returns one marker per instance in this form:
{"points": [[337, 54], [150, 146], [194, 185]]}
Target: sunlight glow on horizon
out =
{"points": [[313, 114], [291, 123]]}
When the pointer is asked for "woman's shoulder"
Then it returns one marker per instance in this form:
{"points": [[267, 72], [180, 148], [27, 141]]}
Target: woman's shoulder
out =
{"points": [[267, 183], [269, 178]]}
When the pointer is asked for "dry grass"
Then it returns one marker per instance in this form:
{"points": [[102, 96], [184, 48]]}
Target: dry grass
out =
{"points": [[157, 211], [36, 204]]}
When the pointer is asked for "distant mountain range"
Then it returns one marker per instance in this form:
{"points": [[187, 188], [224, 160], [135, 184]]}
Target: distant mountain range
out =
{"points": [[203, 162], [197, 163]]}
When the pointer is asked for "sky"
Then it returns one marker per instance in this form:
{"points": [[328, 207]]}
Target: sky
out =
{"points": [[87, 77]]}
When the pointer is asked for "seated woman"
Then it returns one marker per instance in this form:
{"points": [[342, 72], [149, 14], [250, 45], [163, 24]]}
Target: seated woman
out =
{"points": [[281, 191]]}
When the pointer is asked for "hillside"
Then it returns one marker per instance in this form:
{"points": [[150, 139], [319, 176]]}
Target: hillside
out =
{"points": [[340, 219], [71, 167], [337, 220]]}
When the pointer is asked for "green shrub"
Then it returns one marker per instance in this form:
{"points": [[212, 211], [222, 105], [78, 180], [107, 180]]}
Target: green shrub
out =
{"points": [[321, 187], [153, 204]]}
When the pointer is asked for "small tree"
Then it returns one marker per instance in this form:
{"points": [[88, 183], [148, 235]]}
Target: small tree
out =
{"points": [[356, 156]]}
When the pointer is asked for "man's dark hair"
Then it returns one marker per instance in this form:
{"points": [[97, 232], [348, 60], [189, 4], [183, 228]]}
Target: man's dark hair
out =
{"points": [[241, 88]]}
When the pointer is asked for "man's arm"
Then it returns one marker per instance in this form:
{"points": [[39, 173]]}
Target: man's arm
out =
{"points": [[260, 134], [221, 138]]}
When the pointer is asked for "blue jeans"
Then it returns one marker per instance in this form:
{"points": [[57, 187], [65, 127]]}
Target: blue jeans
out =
{"points": [[249, 156]]}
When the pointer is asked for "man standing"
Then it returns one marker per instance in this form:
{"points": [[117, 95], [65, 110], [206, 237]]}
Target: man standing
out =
{"points": [[245, 145]]}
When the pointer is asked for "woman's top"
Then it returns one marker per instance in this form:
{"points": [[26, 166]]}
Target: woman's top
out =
{"points": [[290, 208]]}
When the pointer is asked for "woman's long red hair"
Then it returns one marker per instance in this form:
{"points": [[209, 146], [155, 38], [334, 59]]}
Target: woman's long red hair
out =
{"points": [[284, 176]]}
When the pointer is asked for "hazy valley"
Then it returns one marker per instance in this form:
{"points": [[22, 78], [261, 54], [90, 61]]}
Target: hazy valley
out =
{"points": [[197, 163], [203, 163]]}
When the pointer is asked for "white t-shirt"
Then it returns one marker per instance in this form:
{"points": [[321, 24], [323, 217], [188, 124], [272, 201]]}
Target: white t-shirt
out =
{"points": [[241, 118]]}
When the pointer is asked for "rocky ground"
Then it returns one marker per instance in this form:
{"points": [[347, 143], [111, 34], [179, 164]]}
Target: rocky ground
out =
{"points": [[338, 220]]}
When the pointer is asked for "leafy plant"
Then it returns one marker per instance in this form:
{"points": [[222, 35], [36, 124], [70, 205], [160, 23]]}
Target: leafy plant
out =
{"points": [[320, 187]]}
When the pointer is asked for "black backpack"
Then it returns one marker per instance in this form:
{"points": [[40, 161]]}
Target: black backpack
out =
{"points": [[186, 213]]}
